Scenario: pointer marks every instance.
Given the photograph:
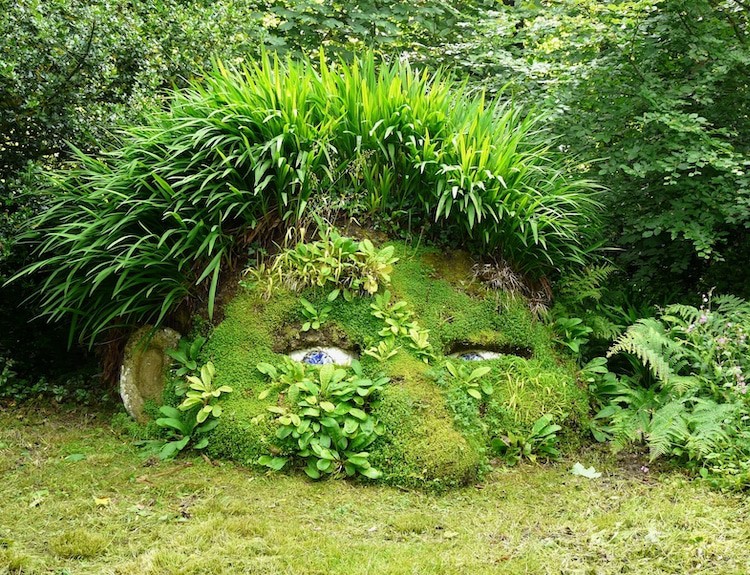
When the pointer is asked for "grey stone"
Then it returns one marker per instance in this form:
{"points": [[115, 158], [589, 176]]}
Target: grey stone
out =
{"points": [[144, 368]]}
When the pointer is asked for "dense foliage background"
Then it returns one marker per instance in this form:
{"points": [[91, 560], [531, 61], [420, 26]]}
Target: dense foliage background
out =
{"points": [[72, 72], [653, 97]]}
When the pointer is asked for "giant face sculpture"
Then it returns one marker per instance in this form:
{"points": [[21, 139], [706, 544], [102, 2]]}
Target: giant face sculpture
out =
{"points": [[405, 371]]}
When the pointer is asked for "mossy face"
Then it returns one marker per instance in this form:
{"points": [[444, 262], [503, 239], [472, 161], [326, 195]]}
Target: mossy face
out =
{"points": [[434, 432]]}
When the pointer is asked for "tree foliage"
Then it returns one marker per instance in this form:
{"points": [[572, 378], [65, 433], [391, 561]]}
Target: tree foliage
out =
{"points": [[73, 71], [653, 95]]}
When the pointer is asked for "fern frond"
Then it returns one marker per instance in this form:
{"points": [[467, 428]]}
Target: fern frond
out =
{"points": [[631, 424], [668, 428], [602, 327], [732, 307], [710, 425], [577, 287], [680, 314], [683, 384], [647, 340]]}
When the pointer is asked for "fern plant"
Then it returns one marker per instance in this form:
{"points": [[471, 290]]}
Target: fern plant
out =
{"points": [[691, 402]]}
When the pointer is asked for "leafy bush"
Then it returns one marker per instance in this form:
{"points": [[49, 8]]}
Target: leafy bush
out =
{"points": [[471, 378], [133, 233], [326, 425], [653, 94], [689, 401], [186, 355], [400, 325], [82, 386], [540, 441], [345, 265], [197, 415]]}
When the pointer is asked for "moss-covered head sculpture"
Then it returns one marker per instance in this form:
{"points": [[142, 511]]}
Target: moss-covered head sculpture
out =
{"points": [[389, 362], [154, 230]]}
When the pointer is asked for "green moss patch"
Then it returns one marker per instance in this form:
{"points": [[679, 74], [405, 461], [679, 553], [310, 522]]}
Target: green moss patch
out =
{"points": [[78, 544]]}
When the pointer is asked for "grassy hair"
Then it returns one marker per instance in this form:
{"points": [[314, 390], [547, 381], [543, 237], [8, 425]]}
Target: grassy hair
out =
{"points": [[131, 234]]}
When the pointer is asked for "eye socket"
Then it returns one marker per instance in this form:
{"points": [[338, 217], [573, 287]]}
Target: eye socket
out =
{"points": [[323, 356], [476, 354]]}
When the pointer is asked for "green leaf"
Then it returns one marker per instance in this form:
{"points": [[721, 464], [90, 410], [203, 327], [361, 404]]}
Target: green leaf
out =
{"points": [[358, 413], [267, 369], [540, 424], [474, 393], [283, 432], [275, 463], [323, 464], [371, 473], [208, 426], [312, 471], [451, 369], [479, 372], [170, 412], [350, 425], [176, 424]]}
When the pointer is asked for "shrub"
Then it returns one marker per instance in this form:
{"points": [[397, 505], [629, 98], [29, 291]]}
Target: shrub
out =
{"points": [[130, 234]]}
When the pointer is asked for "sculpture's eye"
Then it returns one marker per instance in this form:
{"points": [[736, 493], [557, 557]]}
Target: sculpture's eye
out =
{"points": [[323, 355], [476, 354]]}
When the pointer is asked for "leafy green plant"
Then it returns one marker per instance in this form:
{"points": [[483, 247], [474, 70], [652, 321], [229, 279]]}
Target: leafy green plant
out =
{"points": [[348, 267], [82, 387], [314, 318], [664, 94], [471, 379], [582, 294], [324, 422], [384, 350], [603, 386], [539, 442], [572, 333], [399, 325], [7, 375], [198, 414]]}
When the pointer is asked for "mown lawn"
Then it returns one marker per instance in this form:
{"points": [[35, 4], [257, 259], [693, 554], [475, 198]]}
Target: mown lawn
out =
{"points": [[77, 497]]}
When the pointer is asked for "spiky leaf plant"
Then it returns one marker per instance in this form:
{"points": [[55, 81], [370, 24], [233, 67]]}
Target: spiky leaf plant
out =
{"points": [[132, 233]]}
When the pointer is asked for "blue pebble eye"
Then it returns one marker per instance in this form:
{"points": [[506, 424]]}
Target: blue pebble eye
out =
{"points": [[323, 356], [470, 356], [317, 357]]}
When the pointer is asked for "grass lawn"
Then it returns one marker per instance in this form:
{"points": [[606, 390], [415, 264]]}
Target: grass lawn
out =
{"points": [[77, 497]]}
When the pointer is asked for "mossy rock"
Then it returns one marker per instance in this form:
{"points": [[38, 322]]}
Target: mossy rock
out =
{"points": [[143, 375]]}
